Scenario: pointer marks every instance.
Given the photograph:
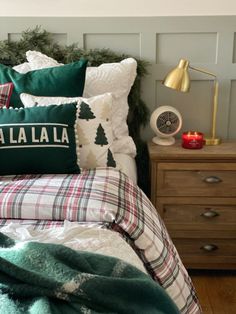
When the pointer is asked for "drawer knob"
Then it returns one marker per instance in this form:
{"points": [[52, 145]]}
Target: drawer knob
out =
{"points": [[210, 214], [209, 247], [212, 179]]}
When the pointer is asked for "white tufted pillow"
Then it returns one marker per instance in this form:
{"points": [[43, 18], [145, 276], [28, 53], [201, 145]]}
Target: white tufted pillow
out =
{"points": [[116, 78]]}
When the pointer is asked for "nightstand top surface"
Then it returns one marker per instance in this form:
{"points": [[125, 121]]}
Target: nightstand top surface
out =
{"points": [[226, 150]]}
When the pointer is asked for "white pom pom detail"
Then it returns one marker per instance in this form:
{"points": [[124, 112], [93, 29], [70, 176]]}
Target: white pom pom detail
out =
{"points": [[76, 136]]}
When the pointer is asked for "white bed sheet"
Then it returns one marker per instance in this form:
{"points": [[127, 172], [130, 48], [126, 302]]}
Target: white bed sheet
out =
{"points": [[127, 165], [77, 237]]}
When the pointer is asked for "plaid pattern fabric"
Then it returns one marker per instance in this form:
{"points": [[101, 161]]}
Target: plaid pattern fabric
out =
{"points": [[5, 94], [102, 195]]}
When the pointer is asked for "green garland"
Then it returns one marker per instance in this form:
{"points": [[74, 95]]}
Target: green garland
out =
{"points": [[13, 53]]}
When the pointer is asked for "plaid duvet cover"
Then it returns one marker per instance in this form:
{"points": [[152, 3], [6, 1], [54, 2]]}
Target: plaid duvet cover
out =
{"points": [[103, 195]]}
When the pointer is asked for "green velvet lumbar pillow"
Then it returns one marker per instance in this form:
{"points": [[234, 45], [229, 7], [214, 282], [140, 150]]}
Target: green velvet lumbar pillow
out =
{"points": [[67, 80], [38, 140]]}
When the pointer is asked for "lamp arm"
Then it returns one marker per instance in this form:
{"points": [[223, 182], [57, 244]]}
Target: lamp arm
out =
{"points": [[202, 71]]}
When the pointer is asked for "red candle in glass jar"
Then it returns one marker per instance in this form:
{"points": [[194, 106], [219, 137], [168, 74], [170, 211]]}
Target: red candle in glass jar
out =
{"points": [[192, 140]]}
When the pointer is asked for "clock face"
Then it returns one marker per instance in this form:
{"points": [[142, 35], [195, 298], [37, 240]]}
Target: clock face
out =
{"points": [[167, 122]]}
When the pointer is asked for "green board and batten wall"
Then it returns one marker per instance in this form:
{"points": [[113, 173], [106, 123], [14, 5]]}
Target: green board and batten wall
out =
{"points": [[207, 42]]}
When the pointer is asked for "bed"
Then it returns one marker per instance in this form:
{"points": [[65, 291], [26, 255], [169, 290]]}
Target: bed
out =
{"points": [[73, 182]]}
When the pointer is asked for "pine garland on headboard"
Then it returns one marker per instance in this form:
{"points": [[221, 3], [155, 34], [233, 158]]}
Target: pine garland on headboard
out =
{"points": [[13, 53]]}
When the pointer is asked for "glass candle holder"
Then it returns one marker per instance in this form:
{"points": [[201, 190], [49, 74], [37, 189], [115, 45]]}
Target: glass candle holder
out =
{"points": [[192, 140]]}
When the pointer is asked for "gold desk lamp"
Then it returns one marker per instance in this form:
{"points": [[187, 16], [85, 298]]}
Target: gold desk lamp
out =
{"points": [[178, 79]]}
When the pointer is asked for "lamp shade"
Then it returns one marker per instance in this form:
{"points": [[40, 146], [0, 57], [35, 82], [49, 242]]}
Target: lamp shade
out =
{"points": [[178, 78]]}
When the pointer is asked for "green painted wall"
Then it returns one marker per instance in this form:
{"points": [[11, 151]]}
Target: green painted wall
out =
{"points": [[207, 42]]}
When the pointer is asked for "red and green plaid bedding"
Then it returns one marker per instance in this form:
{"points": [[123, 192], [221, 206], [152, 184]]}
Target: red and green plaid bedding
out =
{"points": [[102, 195], [5, 94]]}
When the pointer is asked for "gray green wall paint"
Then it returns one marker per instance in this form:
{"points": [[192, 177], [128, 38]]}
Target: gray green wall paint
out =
{"points": [[207, 42]]}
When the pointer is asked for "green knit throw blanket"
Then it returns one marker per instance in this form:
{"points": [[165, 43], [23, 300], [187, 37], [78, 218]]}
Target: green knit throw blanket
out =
{"points": [[40, 278]]}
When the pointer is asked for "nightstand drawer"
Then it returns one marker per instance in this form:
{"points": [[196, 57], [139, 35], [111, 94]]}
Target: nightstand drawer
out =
{"points": [[190, 217], [194, 191], [206, 251], [196, 179], [205, 216]]}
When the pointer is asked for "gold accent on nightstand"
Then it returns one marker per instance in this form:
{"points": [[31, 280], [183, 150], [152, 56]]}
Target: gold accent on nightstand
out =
{"points": [[212, 141]]}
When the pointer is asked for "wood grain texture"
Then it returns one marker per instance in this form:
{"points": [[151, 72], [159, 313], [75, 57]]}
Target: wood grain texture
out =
{"points": [[197, 212], [190, 179], [224, 151], [192, 251], [216, 291]]}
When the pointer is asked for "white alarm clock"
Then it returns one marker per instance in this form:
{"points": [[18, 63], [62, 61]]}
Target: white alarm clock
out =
{"points": [[166, 121]]}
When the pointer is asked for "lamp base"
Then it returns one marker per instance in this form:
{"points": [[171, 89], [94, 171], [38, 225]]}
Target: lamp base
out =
{"points": [[212, 141]]}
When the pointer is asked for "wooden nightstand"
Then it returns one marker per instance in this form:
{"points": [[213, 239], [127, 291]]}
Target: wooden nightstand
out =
{"points": [[195, 193]]}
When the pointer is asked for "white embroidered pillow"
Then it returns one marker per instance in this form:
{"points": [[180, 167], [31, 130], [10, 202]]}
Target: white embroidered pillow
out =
{"points": [[116, 78], [94, 128], [38, 60]]}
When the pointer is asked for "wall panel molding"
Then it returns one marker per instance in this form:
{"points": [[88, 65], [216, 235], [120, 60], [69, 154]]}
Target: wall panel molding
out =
{"points": [[209, 42]]}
